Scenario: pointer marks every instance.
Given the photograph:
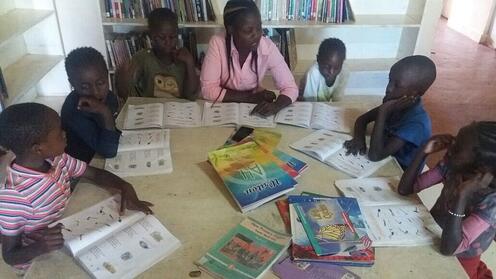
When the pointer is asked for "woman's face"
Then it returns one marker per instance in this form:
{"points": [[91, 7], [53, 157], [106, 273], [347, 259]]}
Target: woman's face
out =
{"points": [[247, 32]]}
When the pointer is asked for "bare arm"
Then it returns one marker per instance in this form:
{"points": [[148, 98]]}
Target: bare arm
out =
{"points": [[380, 145], [357, 144]]}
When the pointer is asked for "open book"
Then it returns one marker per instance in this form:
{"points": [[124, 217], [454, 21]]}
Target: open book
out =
{"points": [[163, 115], [393, 220], [234, 114], [141, 152], [327, 147], [318, 116], [107, 245]]}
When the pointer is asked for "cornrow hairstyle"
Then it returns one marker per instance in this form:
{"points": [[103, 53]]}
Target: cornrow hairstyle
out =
{"points": [[160, 16], [485, 149], [24, 125], [234, 12], [421, 66], [81, 58], [330, 46]]}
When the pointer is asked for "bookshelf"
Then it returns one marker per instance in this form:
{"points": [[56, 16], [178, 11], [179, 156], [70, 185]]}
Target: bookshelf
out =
{"points": [[31, 51]]}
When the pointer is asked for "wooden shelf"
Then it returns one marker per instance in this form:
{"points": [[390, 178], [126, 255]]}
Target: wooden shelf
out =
{"points": [[26, 73], [18, 21], [141, 22]]}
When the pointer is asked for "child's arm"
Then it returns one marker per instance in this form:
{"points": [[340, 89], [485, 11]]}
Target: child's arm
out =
{"points": [[191, 81], [381, 146], [129, 199], [435, 144], [357, 145], [453, 231], [46, 240]]}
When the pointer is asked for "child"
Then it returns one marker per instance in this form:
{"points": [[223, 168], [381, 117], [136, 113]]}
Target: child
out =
{"points": [[89, 111], [162, 71], [322, 81], [401, 123], [466, 208], [236, 62], [37, 187]]}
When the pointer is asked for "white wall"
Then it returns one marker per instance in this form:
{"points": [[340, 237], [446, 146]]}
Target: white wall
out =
{"points": [[471, 18]]}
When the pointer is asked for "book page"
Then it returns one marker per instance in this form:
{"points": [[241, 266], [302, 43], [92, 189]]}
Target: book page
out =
{"points": [[140, 162], [374, 191], [320, 144], [220, 114], [297, 114], [143, 139], [131, 251], [144, 116], [336, 119], [354, 165], [398, 225], [94, 223], [184, 115], [254, 120]]}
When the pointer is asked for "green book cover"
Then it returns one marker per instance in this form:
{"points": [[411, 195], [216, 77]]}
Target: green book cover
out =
{"points": [[246, 251]]}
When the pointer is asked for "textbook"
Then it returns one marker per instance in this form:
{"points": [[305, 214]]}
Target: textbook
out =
{"points": [[288, 269], [333, 225], [221, 114], [141, 152], [110, 246], [163, 115], [247, 251], [327, 147], [318, 116], [250, 174], [393, 220]]}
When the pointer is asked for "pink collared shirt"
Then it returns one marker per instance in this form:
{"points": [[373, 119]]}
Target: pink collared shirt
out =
{"points": [[215, 71]]}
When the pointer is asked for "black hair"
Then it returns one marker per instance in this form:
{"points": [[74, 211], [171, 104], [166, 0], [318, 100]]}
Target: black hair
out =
{"points": [[83, 57], [485, 148], [234, 12], [330, 46], [23, 125], [160, 16], [419, 67]]}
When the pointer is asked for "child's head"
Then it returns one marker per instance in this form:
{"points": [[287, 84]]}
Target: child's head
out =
{"points": [[474, 148], [87, 72], [243, 22], [411, 76], [32, 129], [163, 30], [330, 57]]}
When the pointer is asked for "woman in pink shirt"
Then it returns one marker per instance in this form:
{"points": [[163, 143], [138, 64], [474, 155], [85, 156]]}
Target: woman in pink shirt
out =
{"points": [[236, 63]]}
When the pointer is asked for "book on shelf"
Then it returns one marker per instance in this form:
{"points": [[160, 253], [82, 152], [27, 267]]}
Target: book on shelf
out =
{"points": [[246, 252], [250, 174], [333, 225], [327, 147], [108, 245], [393, 220], [288, 269], [141, 152]]}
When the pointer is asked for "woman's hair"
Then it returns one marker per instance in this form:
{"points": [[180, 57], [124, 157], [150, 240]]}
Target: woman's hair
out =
{"points": [[330, 46], [234, 12], [83, 57], [485, 148]]}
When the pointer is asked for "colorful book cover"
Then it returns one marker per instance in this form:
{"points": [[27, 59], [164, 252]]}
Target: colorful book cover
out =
{"points": [[250, 174], [245, 252], [295, 163], [283, 208], [332, 225], [288, 269]]}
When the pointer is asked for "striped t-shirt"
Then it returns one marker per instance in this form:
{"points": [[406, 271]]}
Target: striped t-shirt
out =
{"points": [[30, 200]]}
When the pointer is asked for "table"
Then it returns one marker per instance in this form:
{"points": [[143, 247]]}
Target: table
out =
{"points": [[193, 203]]}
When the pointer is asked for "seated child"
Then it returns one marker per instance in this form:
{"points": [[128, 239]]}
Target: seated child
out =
{"points": [[37, 187], [323, 80], [401, 125], [89, 111], [162, 71], [466, 208]]}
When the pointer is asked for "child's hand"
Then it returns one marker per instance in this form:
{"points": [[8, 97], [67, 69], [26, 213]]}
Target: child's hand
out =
{"points": [[355, 146], [478, 182], [184, 55], [48, 239], [438, 142], [92, 105], [398, 104], [130, 200]]}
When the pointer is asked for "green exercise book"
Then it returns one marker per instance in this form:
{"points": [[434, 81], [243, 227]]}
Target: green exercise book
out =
{"points": [[246, 251]]}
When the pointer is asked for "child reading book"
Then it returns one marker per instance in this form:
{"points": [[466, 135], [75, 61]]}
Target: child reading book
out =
{"points": [[323, 79], [37, 189], [236, 63], [164, 70], [89, 111], [466, 208], [401, 125]]}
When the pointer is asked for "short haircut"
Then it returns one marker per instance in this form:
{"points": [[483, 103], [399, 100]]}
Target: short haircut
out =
{"points": [[330, 46], [485, 148], [81, 58], [160, 16], [23, 125], [419, 67], [236, 10]]}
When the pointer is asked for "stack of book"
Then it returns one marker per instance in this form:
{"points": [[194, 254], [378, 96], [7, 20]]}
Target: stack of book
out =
{"points": [[327, 11]]}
